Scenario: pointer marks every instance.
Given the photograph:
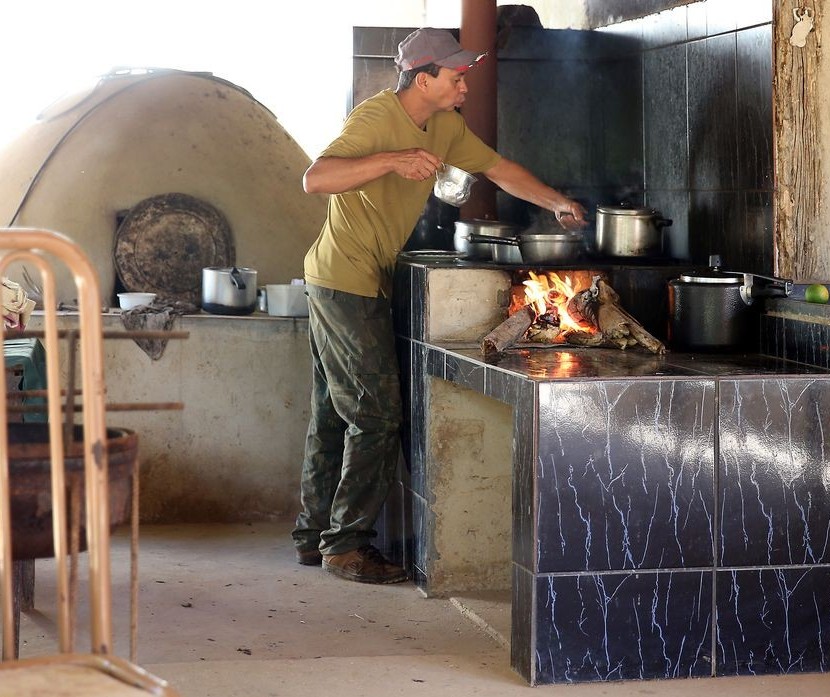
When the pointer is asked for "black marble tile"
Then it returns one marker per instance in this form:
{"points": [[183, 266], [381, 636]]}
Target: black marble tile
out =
{"points": [[772, 335], [418, 303], [521, 625], [712, 113], [464, 372], [665, 28], [616, 124], [417, 446], [715, 218], [754, 117], [635, 626], [773, 493], [722, 16], [624, 477], [404, 348], [673, 205], [502, 385], [435, 362], [420, 551], [664, 118], [370, 75], [802, 341], [696, 21], [378, 41], [773, 621], [756, 244], [524, 455], [401, 300], [543, 117]]}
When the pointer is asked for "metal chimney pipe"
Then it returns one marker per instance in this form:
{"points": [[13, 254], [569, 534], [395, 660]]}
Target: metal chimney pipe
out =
{"points": [[478, 33]]}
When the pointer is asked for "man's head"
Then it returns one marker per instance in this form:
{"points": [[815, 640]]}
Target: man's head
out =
{"points": [[438, 46], [435, 53]]}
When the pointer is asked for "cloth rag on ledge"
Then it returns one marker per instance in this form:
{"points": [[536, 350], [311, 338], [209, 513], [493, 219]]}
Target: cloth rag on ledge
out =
{"points": [[160, 316], [17, 305]]}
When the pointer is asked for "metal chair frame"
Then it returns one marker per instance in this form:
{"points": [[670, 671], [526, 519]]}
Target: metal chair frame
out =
{"points": [[30, 245]]}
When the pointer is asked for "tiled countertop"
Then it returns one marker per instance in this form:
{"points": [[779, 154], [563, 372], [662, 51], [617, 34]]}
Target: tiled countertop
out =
{"points": [[571, 363]]}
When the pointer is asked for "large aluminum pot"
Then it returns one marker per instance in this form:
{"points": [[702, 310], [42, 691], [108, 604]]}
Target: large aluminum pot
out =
{"points": [[540, 248], [715, 310], [229, 291], [623, 231], [484, 250]]}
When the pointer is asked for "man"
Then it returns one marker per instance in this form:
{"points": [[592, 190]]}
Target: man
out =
{"points": [[378, 174]]}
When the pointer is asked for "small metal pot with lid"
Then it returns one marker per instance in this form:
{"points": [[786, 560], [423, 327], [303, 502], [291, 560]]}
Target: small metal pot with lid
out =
{"points": [[715, 310], [625, 231]]}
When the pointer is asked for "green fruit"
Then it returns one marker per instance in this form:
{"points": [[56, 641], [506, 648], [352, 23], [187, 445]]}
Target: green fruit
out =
{"points": [[816, 293]]}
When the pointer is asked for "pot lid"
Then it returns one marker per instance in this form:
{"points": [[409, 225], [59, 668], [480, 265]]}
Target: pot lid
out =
{"points": [[164, 243], [712, 276], [626, 210]]}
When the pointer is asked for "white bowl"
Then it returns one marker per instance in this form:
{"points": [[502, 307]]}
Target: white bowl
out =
{"points": [[127, 301]]}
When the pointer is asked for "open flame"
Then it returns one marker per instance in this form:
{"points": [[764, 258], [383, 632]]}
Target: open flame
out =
{"points": [[550, 296]]}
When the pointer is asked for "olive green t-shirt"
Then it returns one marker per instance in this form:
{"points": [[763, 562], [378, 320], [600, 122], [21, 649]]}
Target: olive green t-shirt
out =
{"points": [[366, 228]]}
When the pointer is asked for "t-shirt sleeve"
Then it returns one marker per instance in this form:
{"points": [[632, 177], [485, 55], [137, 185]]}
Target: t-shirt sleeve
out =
{"points": [[469, 152], [359, 136]]}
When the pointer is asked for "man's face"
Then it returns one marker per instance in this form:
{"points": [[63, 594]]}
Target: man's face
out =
{"points": [[448, 89]]}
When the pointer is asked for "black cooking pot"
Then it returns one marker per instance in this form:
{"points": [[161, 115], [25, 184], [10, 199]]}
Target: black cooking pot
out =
{"points": [[715, 310]]}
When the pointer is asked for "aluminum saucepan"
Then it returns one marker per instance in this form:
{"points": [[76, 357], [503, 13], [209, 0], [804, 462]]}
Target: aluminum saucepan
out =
{"points": [[453, 185], [484, 251], [542, 248]]}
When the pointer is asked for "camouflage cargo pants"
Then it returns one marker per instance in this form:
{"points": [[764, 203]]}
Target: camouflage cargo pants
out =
{"points": [[353, 435]]}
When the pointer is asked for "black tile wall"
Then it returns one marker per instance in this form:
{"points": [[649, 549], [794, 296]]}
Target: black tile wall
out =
{"points": [[712, 113], [774, 501], [624, 626], [796, 339], [754, 108], [625, 475], [665, 116], [772, 620], [524, 445]]}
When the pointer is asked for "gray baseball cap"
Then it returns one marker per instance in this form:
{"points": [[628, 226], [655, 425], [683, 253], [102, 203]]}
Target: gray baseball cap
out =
{"points": [[437, 46]]}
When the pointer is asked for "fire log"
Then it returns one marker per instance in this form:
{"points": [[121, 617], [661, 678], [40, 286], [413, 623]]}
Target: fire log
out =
{"points": [[508, 332], [617, 325]]}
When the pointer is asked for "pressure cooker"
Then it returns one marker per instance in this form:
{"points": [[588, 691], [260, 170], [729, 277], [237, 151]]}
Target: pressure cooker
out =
{"points": [[715, 310]]}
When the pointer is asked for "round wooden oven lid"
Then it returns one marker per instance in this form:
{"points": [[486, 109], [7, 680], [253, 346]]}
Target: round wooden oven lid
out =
{"points": [[164, 243]]}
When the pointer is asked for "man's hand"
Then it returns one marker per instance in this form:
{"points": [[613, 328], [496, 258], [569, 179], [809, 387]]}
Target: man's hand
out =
{"points": [[570, 214], [415, 164]]}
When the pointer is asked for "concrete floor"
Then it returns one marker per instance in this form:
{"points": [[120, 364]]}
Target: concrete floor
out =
{"points": [[224, 611]]}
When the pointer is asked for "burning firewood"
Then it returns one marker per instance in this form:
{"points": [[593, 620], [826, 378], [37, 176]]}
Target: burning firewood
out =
{"points": [[617, 325], [508, 332], [594, 319]]}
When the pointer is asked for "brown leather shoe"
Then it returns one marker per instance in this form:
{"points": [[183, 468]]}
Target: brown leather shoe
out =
{"points": [[308, 557], [364, 565]]}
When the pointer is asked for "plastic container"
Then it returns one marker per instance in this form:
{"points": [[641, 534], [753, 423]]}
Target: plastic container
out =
{"points": [[287, 300]]}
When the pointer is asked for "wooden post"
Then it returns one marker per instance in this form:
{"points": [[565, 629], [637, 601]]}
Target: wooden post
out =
{"points": [[802, 247]]}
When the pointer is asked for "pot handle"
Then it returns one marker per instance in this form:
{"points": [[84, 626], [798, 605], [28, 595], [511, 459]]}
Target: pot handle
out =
{"points": [[663, 222], [478, 237], [776, 288], [237, 280]]}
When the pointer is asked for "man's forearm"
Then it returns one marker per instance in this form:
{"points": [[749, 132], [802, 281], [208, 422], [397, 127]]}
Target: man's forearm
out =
{"points": [[334, 175]]}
